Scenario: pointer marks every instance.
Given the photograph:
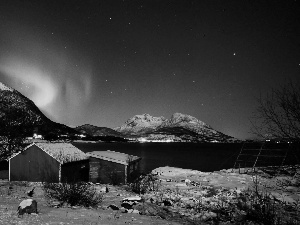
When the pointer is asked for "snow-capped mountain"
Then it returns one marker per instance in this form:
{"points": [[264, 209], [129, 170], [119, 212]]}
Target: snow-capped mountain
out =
{"points": [[140, 124], [182, 126]]}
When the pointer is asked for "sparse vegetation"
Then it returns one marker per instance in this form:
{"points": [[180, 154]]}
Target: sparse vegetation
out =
{"points": [[15, 124], [145, 183], [277, 115], [81, 194]]}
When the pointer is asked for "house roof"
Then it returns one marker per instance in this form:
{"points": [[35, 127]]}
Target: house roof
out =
{"points": [[62, 152], [113, 156]]}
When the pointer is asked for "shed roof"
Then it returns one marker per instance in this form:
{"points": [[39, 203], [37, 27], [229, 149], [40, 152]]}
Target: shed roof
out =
{"points": [[62, 152], [113, 156]]}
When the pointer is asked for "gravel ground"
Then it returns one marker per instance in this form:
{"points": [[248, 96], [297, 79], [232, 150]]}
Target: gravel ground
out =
{"points": [[11, 197]]}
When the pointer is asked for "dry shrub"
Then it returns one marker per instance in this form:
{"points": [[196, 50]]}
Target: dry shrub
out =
{"points": [[145, 183], [80, 193]]}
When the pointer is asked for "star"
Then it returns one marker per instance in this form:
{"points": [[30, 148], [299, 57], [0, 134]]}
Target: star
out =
{"points": [[234, 53]]}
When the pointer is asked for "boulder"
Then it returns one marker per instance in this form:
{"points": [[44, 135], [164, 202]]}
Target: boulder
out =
{"points": [[113, 207], [27, 206], [104, 189], [167, 202], [187, 181], [132, 199], [133, 211], [30, 192], [56, 204], [127, 205]]}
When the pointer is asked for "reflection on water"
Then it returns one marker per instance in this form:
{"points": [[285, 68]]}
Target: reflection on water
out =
{"points": [[204, 157]]}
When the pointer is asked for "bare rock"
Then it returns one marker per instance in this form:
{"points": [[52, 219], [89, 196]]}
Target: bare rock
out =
{"points": [[133, 211], [104, 189], [132, 199], [113, 207], [167, 202], [127, 205], [30, 192]]}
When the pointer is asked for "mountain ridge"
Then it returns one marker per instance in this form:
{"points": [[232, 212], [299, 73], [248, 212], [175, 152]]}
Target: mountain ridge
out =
{"points": [[180, 127], [13, 101], [192, 128], [93, 130]]}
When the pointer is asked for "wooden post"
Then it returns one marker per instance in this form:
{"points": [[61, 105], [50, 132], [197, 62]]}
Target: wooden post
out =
{"points": [[125, 174], [59, 173]]}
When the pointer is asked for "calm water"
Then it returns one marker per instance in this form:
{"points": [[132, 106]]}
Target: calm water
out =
{"points": [[203, 157]]}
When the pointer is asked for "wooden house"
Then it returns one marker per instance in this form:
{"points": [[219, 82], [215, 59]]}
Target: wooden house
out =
{"points": [[112, 167], [54, 162]]}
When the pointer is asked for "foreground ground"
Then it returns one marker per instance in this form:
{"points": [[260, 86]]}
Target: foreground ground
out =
{"points": [[179, 196]]}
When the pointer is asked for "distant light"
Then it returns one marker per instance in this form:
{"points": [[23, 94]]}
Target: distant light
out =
{"points": [[234, 53], [143, 139]]}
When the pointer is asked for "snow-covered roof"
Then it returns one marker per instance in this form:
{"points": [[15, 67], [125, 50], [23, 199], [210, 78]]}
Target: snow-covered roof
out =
{"points": [[62, 152], [113, 156]]}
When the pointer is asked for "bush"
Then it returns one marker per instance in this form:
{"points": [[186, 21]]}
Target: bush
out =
{"points": [[80, 193], [145, 183], [255, 206]]}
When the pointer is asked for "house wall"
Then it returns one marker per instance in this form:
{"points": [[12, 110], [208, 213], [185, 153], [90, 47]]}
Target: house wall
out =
{"points": [[102, 171], [4, 165], [133, 170], [34, 165], [75, 171]]}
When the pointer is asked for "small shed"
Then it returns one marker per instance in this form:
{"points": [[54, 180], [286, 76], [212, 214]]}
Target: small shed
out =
{"points": [[53, 162], [112, 167]]}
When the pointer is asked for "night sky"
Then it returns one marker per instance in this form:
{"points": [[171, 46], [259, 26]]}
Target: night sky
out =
{"points": [[102, 62]]}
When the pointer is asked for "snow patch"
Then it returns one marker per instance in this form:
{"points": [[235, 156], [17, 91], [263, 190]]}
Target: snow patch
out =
{"points": [[3, 87]]}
